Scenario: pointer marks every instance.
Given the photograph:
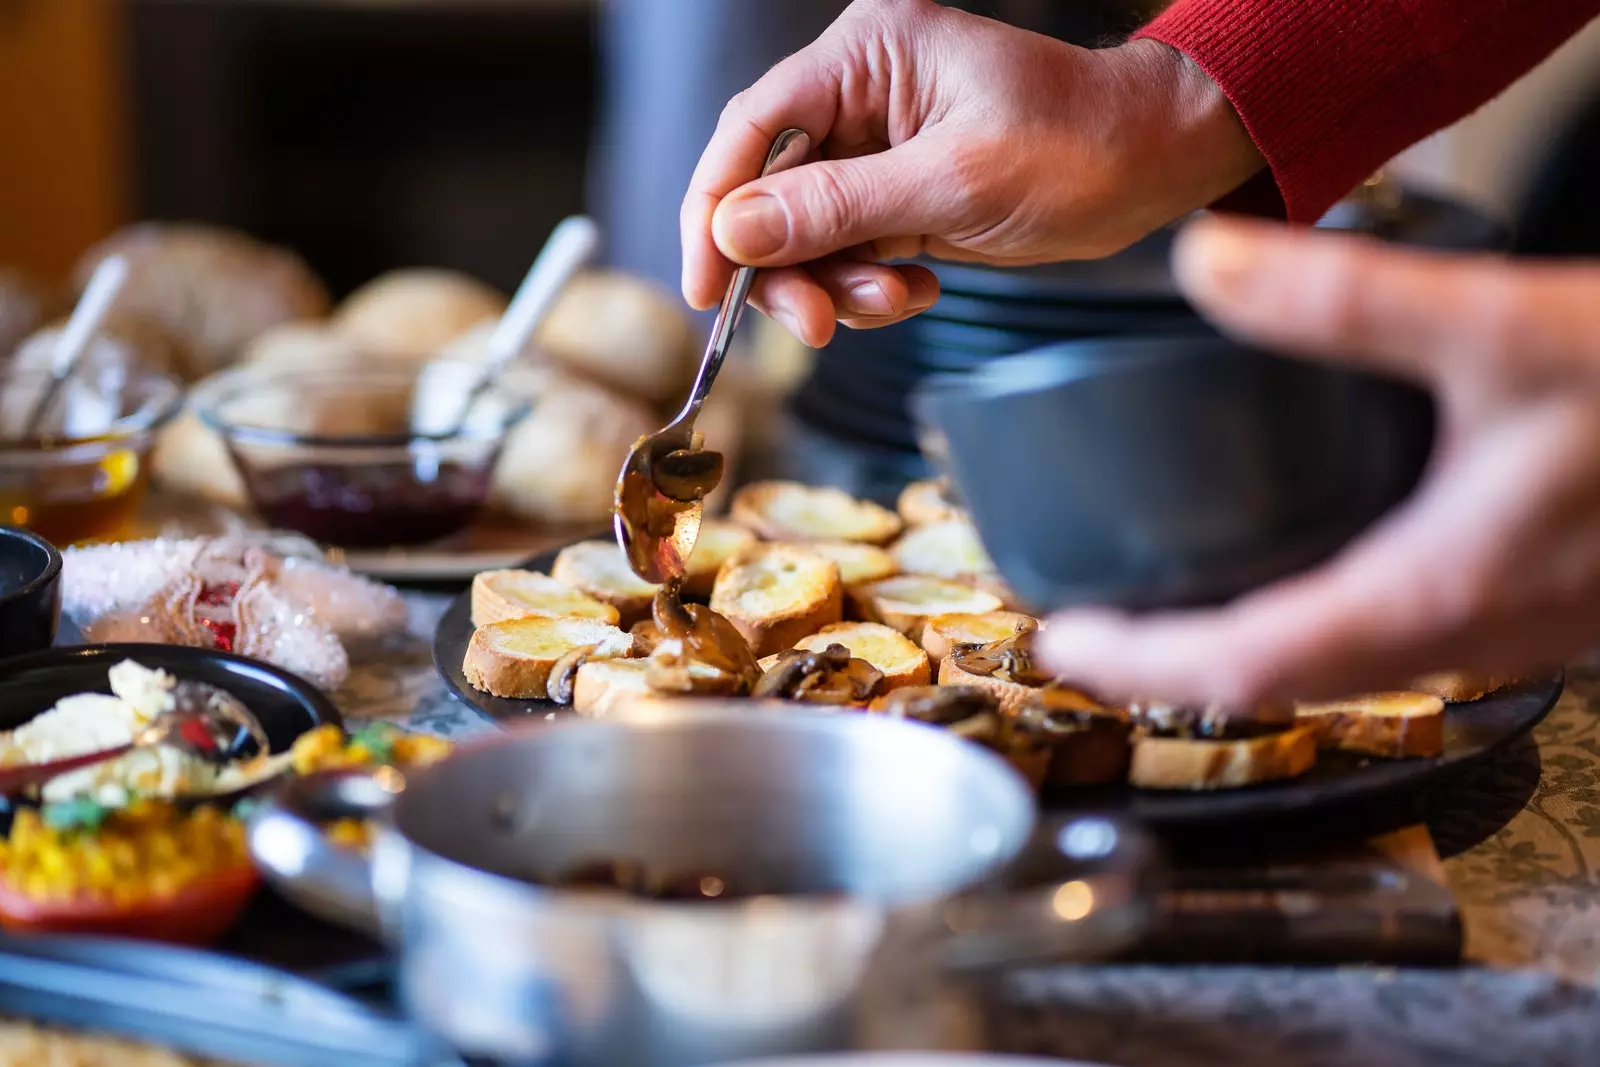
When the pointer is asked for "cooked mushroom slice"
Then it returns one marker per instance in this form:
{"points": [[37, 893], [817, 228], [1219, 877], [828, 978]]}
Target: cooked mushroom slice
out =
{"points": [[831, 676], [708, 637], [565, 672], [671, 673], [686, 474], [1008, 660], [940, 705], [1213, 722]]}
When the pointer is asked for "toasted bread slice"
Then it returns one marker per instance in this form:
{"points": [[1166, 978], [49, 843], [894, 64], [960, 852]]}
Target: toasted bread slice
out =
{"points": [[943, 633], [600, 569], [775, 594], [943, 550], [923, 502], [719, 541], [513, 658], [907, 601], [789, 511], [501, 595], [1394, 725], [858, 562], [1184, 763], [606, 686], [1458, 687], [897, 659], [1013, 696]]}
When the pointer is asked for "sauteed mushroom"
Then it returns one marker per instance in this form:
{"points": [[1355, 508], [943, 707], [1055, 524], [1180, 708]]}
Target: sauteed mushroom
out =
{"points": [[1213, 722], [1010, 659], [687, 474], [564, 673], [831, 676], [939, 705], [706, 636]]}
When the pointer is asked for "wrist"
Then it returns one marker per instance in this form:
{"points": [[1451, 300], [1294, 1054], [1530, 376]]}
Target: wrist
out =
{"points": [[1192, 135]]}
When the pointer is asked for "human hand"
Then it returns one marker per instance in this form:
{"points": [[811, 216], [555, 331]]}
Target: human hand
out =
{"points": [[1492, 565], [947, 134]]}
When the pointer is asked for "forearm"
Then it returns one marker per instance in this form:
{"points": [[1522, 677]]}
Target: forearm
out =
{"points": [[1329, 90]]}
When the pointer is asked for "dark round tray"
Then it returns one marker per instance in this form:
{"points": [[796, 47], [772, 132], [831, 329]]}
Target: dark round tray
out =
{"points": [[1473, 733]]}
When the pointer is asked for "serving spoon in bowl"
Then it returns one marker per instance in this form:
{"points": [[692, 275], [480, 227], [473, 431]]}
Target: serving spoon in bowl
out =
{"points": [[204, 721], [664, 480]]}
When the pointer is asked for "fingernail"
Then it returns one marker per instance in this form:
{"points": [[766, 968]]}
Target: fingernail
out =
{"points": [[924, 293], [753, 228], [1213, 259], [868, 298]]}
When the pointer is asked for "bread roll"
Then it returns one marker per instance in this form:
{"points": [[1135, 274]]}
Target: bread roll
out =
{"points": [[411, 314], [22, 308], [625, 332], [212, 290]]}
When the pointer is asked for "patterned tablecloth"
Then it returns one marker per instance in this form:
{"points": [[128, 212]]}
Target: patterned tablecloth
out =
{"points": [[1521, 841]]}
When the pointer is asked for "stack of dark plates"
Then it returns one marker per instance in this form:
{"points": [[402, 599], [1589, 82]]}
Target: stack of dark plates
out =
{"points": [[854, 403]]}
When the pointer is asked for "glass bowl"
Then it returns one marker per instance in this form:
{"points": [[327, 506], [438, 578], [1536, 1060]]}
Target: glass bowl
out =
{"points": [[330, 452], [85, 478]]}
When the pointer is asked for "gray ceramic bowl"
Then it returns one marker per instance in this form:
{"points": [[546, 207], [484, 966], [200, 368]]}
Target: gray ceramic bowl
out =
{"points": [[1175, 471], [30, 591]]}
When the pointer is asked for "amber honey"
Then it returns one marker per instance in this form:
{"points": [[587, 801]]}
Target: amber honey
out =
{"points": [[68, 503]]}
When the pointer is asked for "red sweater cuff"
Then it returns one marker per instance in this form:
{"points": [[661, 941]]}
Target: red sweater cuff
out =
{"points": [[1330, 90]]}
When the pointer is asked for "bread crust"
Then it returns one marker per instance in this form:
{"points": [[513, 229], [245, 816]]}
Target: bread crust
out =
{"points": [[922, 502], [1398, 725], [878, 602], [759, 507], [1013, 696], [493, 599], [1459, 687], [493, 668], [1182, 763], [815, 600], [941, 633]]}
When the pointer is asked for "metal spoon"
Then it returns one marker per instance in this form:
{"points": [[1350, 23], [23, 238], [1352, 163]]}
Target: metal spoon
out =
{"points": [[569, 248], [82, 328], [204, 721], [654, 554]]}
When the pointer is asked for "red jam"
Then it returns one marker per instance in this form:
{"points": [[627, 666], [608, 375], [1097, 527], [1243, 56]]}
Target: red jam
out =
{"points": [[355, 506]]}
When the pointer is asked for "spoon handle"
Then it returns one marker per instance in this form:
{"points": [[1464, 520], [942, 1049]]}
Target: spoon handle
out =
{"points": [[789, 149], [14, 780], [98, 296]]}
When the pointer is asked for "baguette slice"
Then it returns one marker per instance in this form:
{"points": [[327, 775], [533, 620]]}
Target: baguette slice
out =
{"points": [[600, 569], [790, 511], [857, 562], [719, 541], [1182, 763], [501, 595], [899, 661], [943, 633], [513, 658], [943, 550], [908, 601], [1393, 725], [1013, 696], [607, 686], [775, 594], [1458, 687], [924, 502]]}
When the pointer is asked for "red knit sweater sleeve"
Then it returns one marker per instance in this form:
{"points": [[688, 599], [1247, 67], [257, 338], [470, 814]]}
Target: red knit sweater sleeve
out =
{"points": [[1330, 90]]}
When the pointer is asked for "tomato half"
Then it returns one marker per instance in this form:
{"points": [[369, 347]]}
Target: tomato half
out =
{"points": [[198, 914]]}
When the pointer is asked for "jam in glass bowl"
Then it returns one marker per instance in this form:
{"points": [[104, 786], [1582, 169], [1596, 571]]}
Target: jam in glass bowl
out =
{"points": [[84, 476], [330, 452]]}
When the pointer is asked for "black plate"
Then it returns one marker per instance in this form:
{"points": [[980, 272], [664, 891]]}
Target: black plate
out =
{"points": [[285, 705], [1473, 732]]}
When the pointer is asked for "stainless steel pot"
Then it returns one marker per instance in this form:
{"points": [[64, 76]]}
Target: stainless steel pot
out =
{"points": [[893, 858]]}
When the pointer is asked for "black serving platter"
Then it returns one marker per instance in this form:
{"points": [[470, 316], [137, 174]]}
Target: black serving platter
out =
{"points": [[1473, 733], [285, 705]]}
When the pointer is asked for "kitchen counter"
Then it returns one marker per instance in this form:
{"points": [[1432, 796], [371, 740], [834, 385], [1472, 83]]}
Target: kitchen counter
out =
{"points": [[1521, 845]]}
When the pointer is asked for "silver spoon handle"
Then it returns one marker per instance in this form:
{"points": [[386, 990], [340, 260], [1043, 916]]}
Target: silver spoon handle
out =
{"points": [[87, 318], [789, 149]]}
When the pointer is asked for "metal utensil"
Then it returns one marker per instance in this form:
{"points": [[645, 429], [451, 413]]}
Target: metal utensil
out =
{"points": [[205, 721], [888, 857], [569, 248], [656, 558], [104, 286]]}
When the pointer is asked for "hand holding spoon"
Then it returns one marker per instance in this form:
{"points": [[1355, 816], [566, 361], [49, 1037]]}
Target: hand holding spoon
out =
{"points": [[666, 475]]}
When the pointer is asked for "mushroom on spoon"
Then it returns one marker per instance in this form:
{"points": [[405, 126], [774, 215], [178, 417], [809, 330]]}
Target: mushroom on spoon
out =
{"points": [[667, 475]]}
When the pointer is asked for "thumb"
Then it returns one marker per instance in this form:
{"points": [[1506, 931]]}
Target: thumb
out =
{"points": [[1412, 313], [828, 206]]}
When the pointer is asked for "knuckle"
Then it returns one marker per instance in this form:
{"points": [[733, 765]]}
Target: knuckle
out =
{"points": [[833, 199]]}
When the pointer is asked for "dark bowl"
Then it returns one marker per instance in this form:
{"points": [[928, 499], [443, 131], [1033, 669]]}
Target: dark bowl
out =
{"points": [[30, 591], [285, 705], [1162, 472]]}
